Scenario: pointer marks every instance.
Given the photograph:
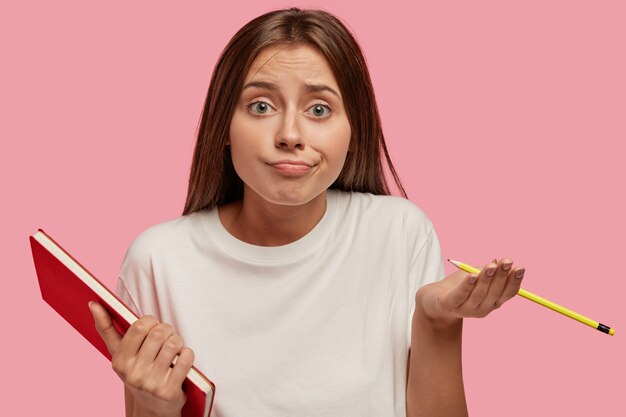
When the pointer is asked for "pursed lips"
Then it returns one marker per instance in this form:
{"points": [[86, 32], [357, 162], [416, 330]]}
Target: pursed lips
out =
{"points": [[290, 162], [291, 167]]}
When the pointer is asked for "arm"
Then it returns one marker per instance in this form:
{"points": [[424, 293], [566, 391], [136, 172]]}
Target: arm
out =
{"points": [[435, 381], [135, 410], [128, 402]]}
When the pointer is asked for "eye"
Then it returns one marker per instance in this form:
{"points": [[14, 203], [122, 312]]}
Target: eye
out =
{"points": [[318, 110], [261, 106]]}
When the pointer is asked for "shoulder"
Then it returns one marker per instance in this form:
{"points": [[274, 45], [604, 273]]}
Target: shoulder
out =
{"points": [[165, 237], [384, 209]]}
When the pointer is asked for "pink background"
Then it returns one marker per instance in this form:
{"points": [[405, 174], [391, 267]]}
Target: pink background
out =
{"points": [[506, 121]]}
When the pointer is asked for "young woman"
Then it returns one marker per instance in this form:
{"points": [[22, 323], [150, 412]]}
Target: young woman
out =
{"points": [[304, 288]]}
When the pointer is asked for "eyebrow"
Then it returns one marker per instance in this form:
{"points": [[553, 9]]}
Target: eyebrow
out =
{"points": [[311, 88]]}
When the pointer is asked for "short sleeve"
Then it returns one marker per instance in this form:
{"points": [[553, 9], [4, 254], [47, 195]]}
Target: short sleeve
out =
{"points": [[426, 267], [124, 295], [427, 264], [135, 284]]}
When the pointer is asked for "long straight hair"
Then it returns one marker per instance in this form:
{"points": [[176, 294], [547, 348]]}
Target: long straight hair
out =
{"points": [[213, 180]]}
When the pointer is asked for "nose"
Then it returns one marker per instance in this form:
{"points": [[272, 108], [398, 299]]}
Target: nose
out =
{"points": [[289, 135]]}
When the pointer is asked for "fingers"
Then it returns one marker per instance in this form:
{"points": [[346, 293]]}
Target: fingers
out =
{"points": [[513, 284], [182, 367], [104, 326], [168, 350], [496, 283], [145, 356], [157, 338], [481, 287], [135, 336]]}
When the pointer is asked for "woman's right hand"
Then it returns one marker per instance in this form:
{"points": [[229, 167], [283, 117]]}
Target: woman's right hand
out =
{"points": [[142, 359]]}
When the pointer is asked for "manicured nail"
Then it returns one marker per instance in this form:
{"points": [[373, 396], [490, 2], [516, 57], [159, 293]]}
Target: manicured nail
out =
{"points": [[491, 271], [472, 279], [506, 266], [520, 273]]}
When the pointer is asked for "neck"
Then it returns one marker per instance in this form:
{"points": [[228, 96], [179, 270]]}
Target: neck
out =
{"points": [[259, 222]]}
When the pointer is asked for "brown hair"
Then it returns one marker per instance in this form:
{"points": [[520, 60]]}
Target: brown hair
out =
{"points": [[213, 180]]}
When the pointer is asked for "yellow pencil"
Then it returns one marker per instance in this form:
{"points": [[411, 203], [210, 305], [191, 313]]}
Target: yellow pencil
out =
{"points": [[546, 303]]}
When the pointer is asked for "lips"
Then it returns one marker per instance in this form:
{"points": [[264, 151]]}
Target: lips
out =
{"points": [[292, 168], [290, 162]]}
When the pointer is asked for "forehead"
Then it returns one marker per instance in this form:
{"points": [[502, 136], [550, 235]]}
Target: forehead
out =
{"points": [[301, 60]]}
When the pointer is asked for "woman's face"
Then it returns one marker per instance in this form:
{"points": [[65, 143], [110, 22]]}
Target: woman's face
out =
{"points": [[289, 134]]}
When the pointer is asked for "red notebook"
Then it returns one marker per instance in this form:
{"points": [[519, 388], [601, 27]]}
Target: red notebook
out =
{"points": [[68, 287]]}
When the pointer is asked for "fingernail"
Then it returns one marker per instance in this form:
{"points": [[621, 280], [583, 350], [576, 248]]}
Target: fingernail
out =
{"points": [[520, 273], [472, 279], [506, 266], [90, 304], [491, 271]]}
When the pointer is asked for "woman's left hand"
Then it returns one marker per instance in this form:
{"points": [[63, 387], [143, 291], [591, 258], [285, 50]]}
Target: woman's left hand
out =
{"points": [[462, 295]]}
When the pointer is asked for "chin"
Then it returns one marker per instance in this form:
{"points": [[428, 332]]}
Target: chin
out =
{"points": [[293, 197]]}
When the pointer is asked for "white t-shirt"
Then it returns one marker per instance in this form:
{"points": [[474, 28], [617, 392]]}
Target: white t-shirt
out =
{"points": [[317, 327]]}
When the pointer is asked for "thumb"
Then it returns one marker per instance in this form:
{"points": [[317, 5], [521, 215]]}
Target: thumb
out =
{"points": [[105, 327], [461, 292]]}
